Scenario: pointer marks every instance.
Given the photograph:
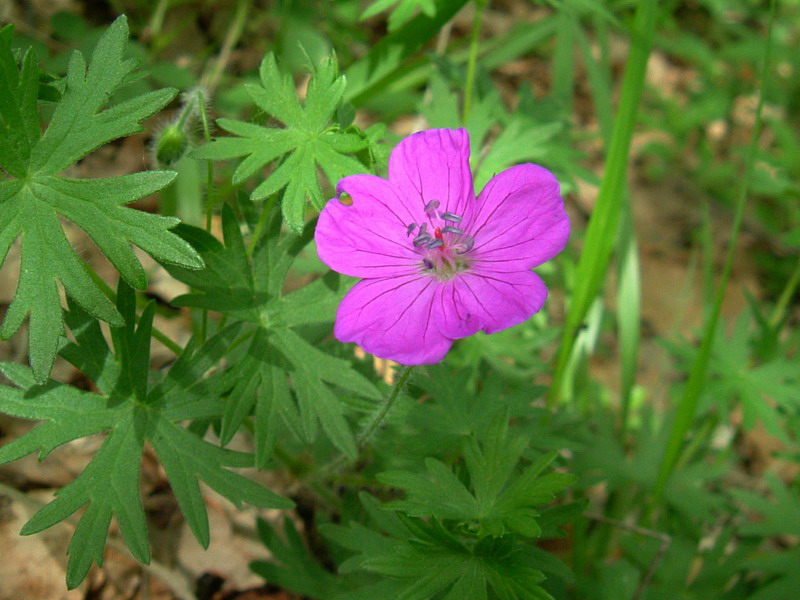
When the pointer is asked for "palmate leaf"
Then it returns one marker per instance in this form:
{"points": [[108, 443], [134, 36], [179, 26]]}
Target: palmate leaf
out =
{"points": [[279, 376], [500, 501], [130, 412], [401, 558], [418, 560], [307, 141], [768, 391], [297, 570], [33, 195]]}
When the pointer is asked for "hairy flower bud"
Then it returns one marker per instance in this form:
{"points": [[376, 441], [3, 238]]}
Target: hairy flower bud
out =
{"points": [[170, 144]]}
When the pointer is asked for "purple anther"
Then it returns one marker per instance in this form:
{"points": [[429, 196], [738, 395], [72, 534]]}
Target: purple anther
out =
{"points": [[411, 227], [466, 245], [423, 229], [422, 239], [450, 229], [431, 206], [435, 244], [448, 216], [428, 264]]}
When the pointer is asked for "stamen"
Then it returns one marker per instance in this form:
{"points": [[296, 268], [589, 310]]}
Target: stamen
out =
{"points": [[448, 216], [431, 206], [435, 244], [428, 264], [466, 245], [450, 229], [423, 229], [422, 239], [411, 227]]}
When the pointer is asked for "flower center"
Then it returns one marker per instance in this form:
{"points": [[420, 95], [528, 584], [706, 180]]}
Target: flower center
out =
{"points": [[444, 247]]}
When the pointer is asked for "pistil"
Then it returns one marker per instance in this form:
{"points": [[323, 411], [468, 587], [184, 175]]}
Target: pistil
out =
{"points": [[442, 251]]}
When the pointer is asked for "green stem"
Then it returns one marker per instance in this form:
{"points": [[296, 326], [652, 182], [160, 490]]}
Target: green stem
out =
{"points": [[376, 421], [472, 61], [262, 221], [602, 231], [690, 400], [204, 120], [785, 298], [365, 436], [235, 29], [157, 20]]}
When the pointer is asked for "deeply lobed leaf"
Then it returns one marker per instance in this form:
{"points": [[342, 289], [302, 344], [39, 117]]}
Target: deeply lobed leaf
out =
{"points": [[131, 413], [309, 140], [278, 377], [35, 197]]}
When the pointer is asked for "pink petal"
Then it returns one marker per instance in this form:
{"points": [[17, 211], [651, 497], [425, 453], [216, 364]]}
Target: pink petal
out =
{"points": [[520, 221], [393, 318], [489, 301], [368, 237], [434, 165]]}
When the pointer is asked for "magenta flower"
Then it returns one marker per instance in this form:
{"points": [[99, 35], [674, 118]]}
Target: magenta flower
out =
{"points": [[437, 263]]}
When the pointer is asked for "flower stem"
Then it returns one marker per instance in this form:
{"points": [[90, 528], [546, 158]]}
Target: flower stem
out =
{"points": [[363, 439], [373, 425], [480, 5]]}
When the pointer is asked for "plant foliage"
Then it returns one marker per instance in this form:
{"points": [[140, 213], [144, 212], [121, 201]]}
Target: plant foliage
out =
{"points": [[307, 141], [131, 411], [34, 194]]}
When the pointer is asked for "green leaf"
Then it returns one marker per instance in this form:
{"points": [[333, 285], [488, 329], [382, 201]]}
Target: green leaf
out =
{"points": [[131, 414], [426, 560], [226, 284], [34, 196], [501, 498], [297, 570], [779, 516], [278, 377], [19, 118], [309, 140], [768, 391], [386, 58], [403, 12]]}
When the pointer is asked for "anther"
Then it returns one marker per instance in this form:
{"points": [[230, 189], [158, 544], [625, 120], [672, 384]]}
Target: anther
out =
{"points": [[435, 244], [431, 206], [423, 229], [422, 239], [448, 216], [411, 227], [428, 264], [450, 229], [466, 245]]}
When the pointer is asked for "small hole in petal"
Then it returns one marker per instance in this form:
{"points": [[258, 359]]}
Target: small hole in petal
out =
{"points": [[345, 199]]}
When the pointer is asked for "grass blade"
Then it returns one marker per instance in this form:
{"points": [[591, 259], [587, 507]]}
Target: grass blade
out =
{"points": [[602, 230]]}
